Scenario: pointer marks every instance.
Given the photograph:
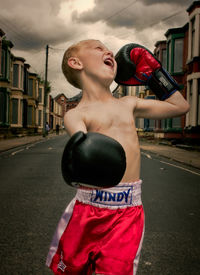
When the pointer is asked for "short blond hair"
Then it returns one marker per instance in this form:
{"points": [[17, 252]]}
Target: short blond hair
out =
{"points": [[72, 75]]}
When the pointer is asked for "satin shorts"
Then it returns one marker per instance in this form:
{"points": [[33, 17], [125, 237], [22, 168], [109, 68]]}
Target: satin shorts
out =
{"points": [[100, 231]]}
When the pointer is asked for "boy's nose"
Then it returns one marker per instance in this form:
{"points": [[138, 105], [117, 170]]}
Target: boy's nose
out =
{"points": [[110, 53]]}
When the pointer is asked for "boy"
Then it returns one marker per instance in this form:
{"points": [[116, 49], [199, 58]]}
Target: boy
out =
{"points": [[94, 235]]}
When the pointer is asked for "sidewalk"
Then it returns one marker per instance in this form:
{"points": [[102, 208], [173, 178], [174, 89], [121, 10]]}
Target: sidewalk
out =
{"points": [[7, 144], [191, 158]]}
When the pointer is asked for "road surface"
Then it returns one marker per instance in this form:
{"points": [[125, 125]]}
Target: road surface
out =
{"points": [[33, 196]]}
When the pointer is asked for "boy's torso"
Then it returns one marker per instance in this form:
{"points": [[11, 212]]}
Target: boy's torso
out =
{"points": [[115, 118]]}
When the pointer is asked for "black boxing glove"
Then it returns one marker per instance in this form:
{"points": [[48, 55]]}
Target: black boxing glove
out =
{"points": [[93, 160], [138, 66]]}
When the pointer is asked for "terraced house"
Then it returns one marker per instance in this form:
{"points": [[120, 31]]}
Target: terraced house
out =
{"points": [[22, 109], [193, 76], [5, 80], [180, 55]]}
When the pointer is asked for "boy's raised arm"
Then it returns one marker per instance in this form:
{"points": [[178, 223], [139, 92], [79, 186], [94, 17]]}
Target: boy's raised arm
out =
{"points": [[138, 66], [173, 106]]}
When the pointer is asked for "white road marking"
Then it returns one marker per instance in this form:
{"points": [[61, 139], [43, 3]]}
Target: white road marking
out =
{"points": [[14, 153], [147, 155], [32, 145], [185, 169]]}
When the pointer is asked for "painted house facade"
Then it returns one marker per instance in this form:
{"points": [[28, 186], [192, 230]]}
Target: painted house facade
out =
{"points": [[22, 94], [193, 76], [180, 55]]}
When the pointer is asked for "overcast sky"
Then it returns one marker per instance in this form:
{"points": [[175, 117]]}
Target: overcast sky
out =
{"points": [[31, 25]]}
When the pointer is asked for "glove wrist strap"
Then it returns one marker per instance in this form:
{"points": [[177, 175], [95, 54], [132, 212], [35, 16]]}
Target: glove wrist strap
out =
{"points": [[162, 84]]}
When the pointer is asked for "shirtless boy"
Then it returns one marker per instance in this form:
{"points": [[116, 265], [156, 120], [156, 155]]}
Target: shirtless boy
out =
{"points": [[105, 239]]}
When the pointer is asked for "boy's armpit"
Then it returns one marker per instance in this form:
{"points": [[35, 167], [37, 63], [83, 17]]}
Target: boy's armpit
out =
{"points": [[73, 122]]}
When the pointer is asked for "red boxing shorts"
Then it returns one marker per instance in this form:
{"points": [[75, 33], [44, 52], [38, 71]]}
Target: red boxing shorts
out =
{"points": [[100, 231]]}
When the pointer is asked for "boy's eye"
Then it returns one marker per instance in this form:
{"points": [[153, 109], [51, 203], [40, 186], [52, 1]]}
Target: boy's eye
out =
{"points": [[99, 48]]}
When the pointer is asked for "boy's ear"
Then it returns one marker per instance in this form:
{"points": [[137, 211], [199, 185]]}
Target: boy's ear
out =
{"points": [[75, 63]]}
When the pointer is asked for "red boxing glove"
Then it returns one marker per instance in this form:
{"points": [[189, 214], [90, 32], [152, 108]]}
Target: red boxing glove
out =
{"points": [[138, 66]]}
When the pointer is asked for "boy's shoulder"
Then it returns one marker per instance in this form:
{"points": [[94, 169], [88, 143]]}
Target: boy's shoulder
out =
{"points": [[73, 113], [129, 100]]}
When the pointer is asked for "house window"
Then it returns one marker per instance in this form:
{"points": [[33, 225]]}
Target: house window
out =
{"points": [[29, 115], [178, 55], [193, 37], [4, 106], [176, 122], [14, 111], [158, 55], [40, 118], [164, 58], [52, 106], [21, 109], [151, 124], [36, 88], [8, 64], [190, 91], [163, 124], [15, 75], [22, 78], [198, 103], [3, 63], [40, 95], [2, 103], [30, 87], [25, 84], [170, 57], [125, 90]]}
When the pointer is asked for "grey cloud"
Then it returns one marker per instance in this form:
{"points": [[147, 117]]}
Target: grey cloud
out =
{"points": [[136, 14], [33, 24], [178, 2]]}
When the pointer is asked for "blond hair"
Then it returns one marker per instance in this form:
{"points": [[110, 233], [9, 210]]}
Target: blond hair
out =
{"points": [[72, 75]]}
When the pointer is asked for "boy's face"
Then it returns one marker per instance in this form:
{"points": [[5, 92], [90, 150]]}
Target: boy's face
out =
{"points": [[98, 62]]}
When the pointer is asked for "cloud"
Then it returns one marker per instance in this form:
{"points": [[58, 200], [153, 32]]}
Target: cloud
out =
{"points": [[174, 2], [33, 24], [131, 15]]}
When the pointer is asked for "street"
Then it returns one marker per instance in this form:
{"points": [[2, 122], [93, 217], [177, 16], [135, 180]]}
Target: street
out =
{"points": [[33, 196], [171, 202]]}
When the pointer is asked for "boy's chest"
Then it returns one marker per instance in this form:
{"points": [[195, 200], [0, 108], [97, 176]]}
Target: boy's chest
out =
{"points": [[105, 117]]}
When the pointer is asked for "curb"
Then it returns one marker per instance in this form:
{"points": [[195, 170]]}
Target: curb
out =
{"points": [[18, 145], [170, 158]]}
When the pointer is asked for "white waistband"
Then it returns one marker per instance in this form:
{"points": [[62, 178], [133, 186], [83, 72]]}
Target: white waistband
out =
{"points": [[120, 196]]}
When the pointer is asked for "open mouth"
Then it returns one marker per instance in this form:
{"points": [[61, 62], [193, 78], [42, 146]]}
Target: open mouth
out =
{"points": [[109, 62]]}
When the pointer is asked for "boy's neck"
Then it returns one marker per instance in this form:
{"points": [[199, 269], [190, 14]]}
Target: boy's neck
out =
{"points": [[93, 93]]}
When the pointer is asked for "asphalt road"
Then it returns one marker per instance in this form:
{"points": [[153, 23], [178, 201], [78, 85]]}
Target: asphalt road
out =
{"points": [[171, 195], [33, 196]]}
